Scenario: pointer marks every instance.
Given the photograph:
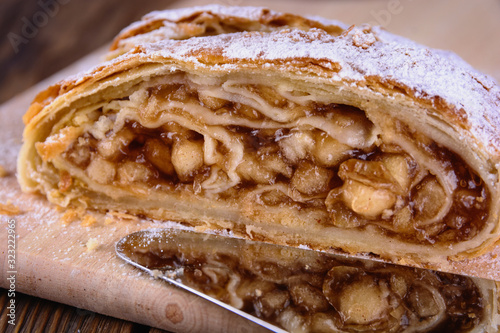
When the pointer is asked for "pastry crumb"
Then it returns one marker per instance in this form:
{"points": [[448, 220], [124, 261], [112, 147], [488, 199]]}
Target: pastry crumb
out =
{"points": [[113, 216], [9, 209], [155, 273], [92, 244], [88, 221], [363, 38], [72, 215], [3, 172]]}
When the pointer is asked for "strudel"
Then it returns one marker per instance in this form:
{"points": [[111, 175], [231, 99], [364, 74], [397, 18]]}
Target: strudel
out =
{"points": [[292, 131]]}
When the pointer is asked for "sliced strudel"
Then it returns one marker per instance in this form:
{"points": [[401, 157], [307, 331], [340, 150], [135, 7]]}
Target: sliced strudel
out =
{"points": [[361, 142]]}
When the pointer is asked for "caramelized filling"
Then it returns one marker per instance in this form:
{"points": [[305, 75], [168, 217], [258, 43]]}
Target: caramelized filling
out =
{"points": [[350, 177], [308, 291]]}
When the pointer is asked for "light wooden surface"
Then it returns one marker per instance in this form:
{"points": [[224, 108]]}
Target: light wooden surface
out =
{"points": [[52, 260], [37, 315]]}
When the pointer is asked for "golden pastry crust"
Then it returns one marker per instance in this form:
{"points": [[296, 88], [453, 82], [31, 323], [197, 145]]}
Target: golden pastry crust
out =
{"points": [[409, 102], [212, 20]]}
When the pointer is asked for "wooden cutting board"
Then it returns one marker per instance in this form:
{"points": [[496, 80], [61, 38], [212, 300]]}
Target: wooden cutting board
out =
{"points": [[53, 261]]}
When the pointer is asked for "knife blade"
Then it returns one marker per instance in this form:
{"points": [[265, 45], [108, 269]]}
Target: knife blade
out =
{"points": [[124, 249], [304, 290]]}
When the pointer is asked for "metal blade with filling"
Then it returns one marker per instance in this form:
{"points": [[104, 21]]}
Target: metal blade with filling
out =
{"points": [[308, 291], [172, 273]]}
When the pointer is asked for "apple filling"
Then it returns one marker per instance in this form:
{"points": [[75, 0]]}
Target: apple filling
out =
{"points": [[273, 147], [308, 291]]}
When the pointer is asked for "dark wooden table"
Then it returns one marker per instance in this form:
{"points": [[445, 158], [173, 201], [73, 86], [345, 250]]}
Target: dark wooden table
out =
{"points": [[40, 37]]}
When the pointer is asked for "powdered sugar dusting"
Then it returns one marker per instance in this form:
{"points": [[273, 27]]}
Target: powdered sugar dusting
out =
{"points": [[428, 74], [175, 15], [221, 15]]}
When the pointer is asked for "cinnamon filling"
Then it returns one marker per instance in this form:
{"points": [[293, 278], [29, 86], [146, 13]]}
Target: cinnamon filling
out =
{"points": [[287, 150]]}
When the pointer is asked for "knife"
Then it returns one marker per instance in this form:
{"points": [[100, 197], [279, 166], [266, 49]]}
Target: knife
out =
{"points": [[124, 248], [305, 289]]}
